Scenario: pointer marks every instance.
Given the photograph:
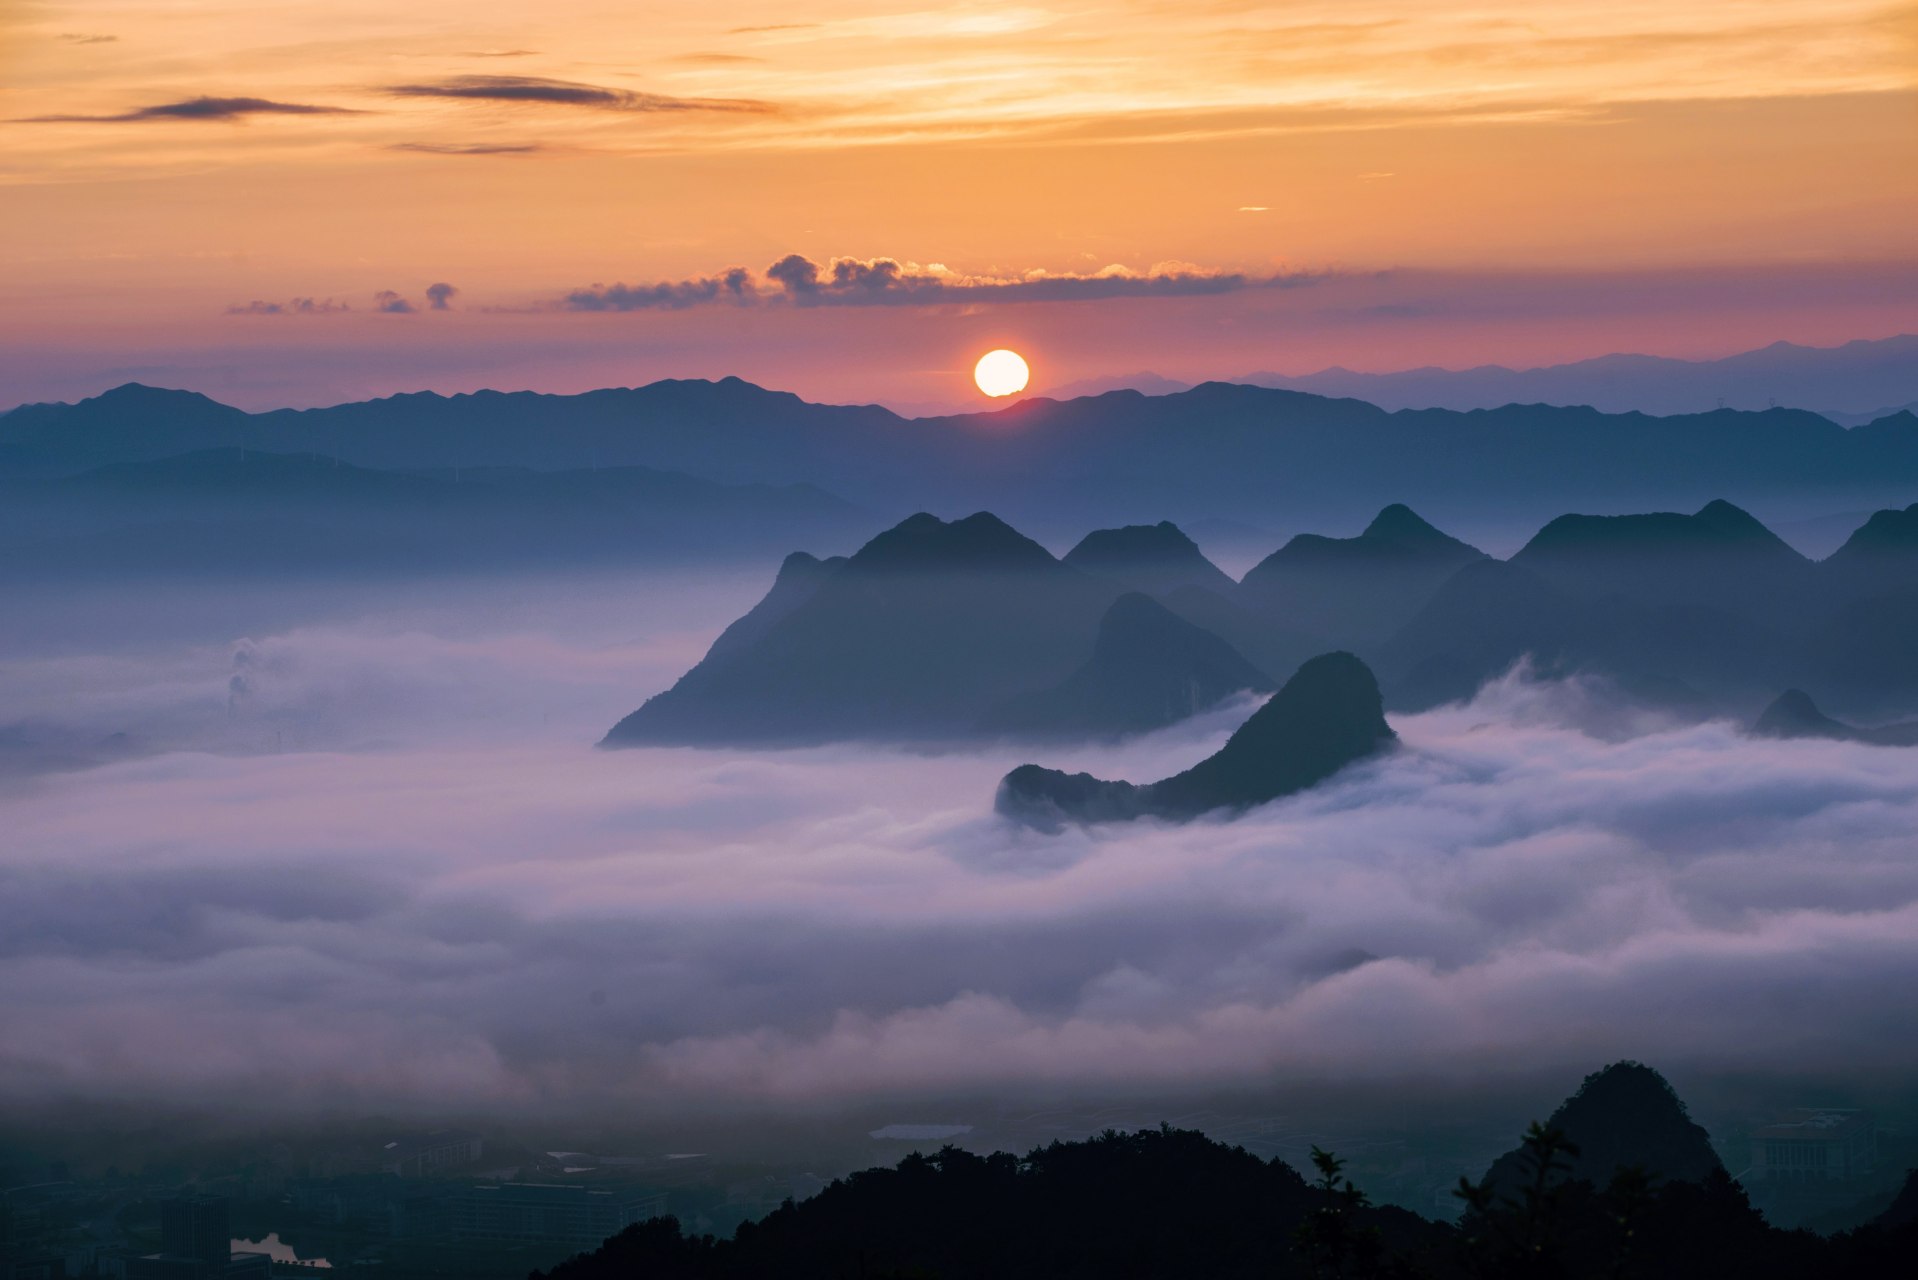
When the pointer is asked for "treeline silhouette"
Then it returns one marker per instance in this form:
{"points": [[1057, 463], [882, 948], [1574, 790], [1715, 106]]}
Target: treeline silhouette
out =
{"points": [[1173, 1203]]}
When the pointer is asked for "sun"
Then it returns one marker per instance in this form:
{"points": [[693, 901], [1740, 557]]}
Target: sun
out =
{"points": [[1001, 372]]}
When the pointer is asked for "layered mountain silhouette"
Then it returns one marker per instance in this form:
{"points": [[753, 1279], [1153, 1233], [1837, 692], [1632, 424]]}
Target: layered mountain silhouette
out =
{"points": [[1883, 549], [1719, 550], [235, 508], [1218, 451], [1327, 716], [800, 576], [943, 631], [1484, 619], [1158, 559], [1269, 643], [1149, 668], [912, 636], [1795, 715], [1850, 379], [1356, 591], [1693, 608]]}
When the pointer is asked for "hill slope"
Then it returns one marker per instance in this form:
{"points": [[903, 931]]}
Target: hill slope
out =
{"points": [[1327, 716]]}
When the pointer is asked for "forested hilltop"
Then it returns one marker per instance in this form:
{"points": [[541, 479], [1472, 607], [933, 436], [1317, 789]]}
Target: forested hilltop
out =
{"points": [[1619, 1182]]}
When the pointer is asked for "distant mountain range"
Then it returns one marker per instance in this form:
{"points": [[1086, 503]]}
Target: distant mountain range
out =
{"points": [[1852, 384], [235, 509], [936, 631], [1228, 454]]}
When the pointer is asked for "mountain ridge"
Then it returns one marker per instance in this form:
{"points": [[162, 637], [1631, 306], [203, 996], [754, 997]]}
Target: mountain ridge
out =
{"points": [[1218, 451], [1328, 715]]}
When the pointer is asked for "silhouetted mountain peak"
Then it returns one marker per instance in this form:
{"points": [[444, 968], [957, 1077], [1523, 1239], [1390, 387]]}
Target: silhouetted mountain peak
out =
{"points": [[138, 397], [1330, 705], [800, 564], [917, 635], [1794, 715], [1355, 592], [1396, 534], [800, 577], [1328, 715], [1734, 522], [1626, 1092], [1158, 558], [1717, 527], [1623, 1116], [981, 542], [1132, 542], [1890, 531], [1399, 523]]}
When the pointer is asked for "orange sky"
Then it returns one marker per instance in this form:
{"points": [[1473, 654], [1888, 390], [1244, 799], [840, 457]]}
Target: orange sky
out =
{"points": [[1534, 177]]}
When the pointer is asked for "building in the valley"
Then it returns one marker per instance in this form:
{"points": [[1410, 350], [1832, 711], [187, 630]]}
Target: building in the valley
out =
{"points": [[198, 1246], [1813, 1145], [417, 1157], [196, 1226]]}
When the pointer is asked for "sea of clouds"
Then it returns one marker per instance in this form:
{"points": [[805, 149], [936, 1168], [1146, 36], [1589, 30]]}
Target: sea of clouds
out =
{"points": [[373, 858]]}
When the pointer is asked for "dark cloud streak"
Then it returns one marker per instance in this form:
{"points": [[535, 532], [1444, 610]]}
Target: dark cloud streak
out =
{"points": [[735, 286], [439, 297], [202, 108], [536, 89], [469, 148], [295, 307]]}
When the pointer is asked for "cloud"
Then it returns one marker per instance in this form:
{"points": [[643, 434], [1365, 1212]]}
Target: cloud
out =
{"points": [[199, 109], [734, 286], [80, 37], [439, 296], [881, 282], [411, 902], [568, 93], [292, 307], [470, 148]]}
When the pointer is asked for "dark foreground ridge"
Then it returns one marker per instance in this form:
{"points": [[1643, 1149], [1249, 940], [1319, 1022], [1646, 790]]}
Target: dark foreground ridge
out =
{"points": [[1623, 1116], [1795, 715], [1328, 715], [1628, 1188]]}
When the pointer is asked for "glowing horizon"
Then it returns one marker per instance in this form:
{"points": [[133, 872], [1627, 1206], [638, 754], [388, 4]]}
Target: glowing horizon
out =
{"points": [[256, 201]]}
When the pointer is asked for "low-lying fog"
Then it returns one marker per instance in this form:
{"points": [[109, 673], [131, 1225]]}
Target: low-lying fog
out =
{"points": [[360, 850]]}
